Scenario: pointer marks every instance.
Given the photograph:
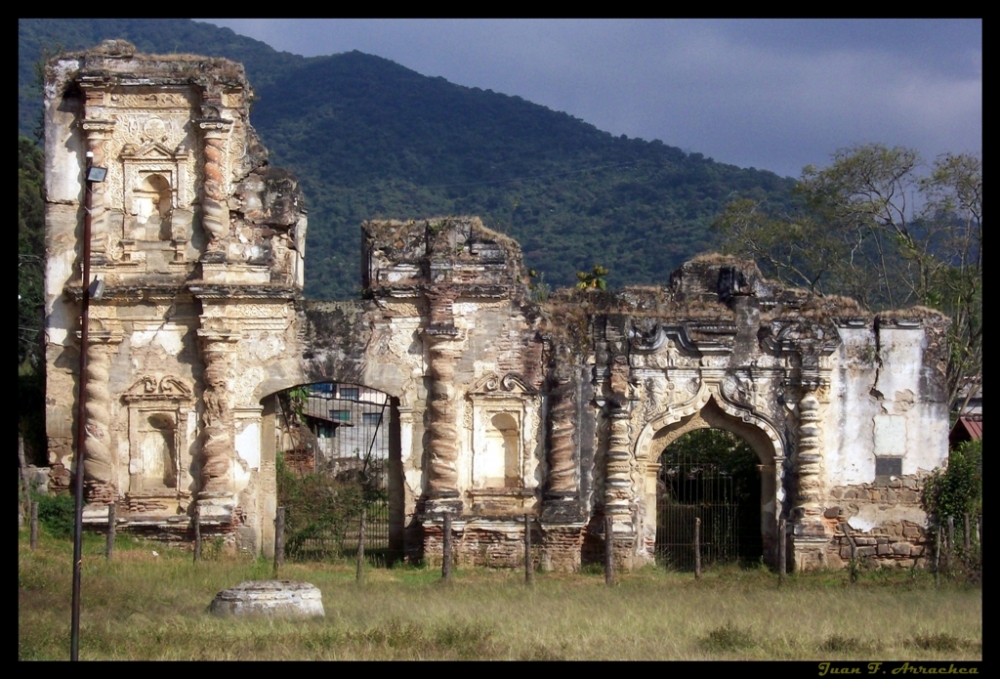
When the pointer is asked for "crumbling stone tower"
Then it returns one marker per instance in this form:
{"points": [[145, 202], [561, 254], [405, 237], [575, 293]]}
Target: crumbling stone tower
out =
{"points": [[199, 246]]}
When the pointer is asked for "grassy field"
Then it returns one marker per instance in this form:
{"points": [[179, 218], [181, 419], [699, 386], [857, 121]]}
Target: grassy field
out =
{"points": [[141, 606]]}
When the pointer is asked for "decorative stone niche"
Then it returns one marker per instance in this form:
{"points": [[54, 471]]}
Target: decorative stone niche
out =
{"points": [[158, 215], [501, 470], [158, 443]]}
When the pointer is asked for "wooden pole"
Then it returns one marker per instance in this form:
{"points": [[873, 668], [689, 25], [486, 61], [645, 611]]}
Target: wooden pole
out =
{"points": [[361, 548], [109, 549], [782, 553], [966, 538], [529, 572], [197, 532], [279, 540], [446, 550], [25, 480], [609, 551], [697, 548], [937, 555], [34, 526], [951, 542]]}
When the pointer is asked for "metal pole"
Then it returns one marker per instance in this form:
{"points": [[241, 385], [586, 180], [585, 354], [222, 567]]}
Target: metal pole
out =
{"points": [[81, 417], [609, 551]]}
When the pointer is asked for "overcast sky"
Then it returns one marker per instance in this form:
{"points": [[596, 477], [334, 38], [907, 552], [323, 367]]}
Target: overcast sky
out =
{"points": [[771, 94]]}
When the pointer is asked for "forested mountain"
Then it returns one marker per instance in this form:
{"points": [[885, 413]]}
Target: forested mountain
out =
{"points": [[369, 139]]}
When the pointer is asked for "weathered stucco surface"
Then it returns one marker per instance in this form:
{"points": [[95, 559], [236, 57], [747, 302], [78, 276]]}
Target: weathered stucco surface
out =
{"points": [[501, 405]]}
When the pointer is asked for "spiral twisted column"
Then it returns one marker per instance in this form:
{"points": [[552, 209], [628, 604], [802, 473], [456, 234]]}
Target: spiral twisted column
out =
{"points": [[215, 211], [98, 134], [97, 458], [443, 479], [617, 484], [562, 477], [217, 420], [808, 460]]}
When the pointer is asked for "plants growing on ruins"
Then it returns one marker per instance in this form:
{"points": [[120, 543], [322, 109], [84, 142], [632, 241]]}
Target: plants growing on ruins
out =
{"points": [[593, 279]]}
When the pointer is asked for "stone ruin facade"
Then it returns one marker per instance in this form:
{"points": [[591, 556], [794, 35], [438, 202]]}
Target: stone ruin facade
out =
{"points": [[501, 404]]}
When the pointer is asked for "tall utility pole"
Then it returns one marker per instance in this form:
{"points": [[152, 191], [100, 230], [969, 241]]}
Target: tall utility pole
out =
{"points": [[91, 175]]}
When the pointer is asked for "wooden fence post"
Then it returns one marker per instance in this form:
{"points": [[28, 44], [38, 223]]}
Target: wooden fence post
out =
{"points": [[109, 549], [361, 547], [196, 518], [951, 541], [528, 569], [697, 548], [782, 553], [937, 555], [967, 539], [34, 525], [25, 478], [446, 550], [279, 540], [609, 551]]}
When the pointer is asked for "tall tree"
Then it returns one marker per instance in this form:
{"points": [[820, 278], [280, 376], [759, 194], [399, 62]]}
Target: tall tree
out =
{"points": [[880, 225]]}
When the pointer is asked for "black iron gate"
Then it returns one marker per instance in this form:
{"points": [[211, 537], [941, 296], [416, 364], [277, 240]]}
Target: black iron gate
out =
{"points": [[696, 491], [335, 435], [723, 490]]}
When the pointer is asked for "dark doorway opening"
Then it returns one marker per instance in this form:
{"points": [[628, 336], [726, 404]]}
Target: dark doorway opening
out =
{"points": [[712, 475]]}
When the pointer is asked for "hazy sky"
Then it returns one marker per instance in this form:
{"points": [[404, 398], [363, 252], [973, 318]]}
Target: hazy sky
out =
{"points": [[772, 94]]}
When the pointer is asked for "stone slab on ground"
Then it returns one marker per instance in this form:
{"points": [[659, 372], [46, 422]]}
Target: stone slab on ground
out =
{"points": [[275, 598]]}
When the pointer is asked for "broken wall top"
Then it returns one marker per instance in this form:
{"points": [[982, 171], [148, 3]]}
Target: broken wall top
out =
{"points": [[453, 256], [189, 195]]}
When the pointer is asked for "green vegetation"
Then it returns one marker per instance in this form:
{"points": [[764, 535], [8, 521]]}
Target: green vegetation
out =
{"points": [[141, 606], [957, 490], [319, 510], [30, 255]]}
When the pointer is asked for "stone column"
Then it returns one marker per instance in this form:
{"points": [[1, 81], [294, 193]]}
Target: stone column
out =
{"points": [[215, 208], [562, 476], [617, 484], [98, 135], [217, 420], [98, 462], [443, 426], [809, 534]]}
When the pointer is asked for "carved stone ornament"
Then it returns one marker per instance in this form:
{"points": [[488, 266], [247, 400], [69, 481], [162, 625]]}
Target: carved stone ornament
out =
{"points": [[509, 384], [167, 388]]}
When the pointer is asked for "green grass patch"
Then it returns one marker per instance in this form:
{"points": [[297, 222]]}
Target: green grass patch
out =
{"points": [[142, 606]]}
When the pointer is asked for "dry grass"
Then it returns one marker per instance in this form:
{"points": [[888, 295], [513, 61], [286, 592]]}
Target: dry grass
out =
{"points": [[145, 607]]}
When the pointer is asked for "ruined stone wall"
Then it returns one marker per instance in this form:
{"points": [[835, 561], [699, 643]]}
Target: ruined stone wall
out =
{"points": [[199, 245], [500, 406]]}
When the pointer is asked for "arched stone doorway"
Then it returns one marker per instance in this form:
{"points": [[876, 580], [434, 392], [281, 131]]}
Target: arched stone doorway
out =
{"points": [[712, 476], [758, 434]]}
